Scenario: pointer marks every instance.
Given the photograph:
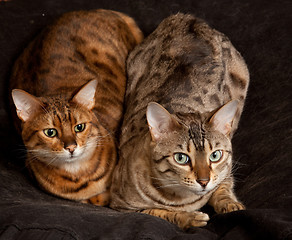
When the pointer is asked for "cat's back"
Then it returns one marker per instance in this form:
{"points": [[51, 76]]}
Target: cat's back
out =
{"points": [[77, 47], [186, 66]]}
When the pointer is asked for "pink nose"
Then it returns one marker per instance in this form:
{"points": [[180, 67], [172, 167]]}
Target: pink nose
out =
{"points": [[203, 182], [71, 148]]}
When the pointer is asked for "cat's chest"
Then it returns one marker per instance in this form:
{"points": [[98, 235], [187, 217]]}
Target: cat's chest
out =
{"points": [[177, 201]]}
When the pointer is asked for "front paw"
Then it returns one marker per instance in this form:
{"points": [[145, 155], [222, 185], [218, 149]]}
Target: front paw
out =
{"points": [[183, 219], [195, 219], [226, 206]]}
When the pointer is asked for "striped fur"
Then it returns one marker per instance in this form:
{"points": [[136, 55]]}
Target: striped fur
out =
{"points": [[200, 82], [60, 70]]}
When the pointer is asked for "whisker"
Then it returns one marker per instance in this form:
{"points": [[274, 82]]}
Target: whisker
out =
{"points": [[168, 185], [52, 161], [163, 179]]}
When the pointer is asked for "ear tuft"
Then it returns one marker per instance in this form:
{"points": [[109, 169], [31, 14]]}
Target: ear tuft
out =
{"points": [[86, 95], [25, 103], [223, 118], [159, 121]]}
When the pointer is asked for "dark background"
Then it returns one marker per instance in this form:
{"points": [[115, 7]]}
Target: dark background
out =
{"points": [[261, 31]]}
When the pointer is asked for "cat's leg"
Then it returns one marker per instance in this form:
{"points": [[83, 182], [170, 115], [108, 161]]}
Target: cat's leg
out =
{"points": [[182, 219], [223, 199], [101, 199]]}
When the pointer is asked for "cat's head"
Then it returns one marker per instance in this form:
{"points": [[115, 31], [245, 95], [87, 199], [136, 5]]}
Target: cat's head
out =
{"points": [[190, 150], [57, 131]]}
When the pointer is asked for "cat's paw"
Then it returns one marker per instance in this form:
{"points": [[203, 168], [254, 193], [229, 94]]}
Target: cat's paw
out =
{"points": [[229, 206], [195, 219], [183, 219], [99, 200]]}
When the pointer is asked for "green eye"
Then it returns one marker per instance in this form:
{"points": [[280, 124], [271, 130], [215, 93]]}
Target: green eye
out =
{"points": [[181, 158], [79, 127], [216, 156], [50, 132]]}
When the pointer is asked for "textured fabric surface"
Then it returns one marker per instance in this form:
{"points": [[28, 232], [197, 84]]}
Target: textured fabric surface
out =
{"points": [[261, 31]]}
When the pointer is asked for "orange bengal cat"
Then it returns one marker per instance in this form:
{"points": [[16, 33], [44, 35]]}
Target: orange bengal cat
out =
{"points": [[68, 89]]}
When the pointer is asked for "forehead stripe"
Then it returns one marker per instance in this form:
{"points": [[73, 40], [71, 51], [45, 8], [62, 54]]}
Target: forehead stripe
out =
{"points": [[197, 135]]}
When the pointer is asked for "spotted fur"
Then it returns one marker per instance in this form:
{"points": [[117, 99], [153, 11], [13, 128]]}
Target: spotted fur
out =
{"points": [[188, 82], [72, 76]]}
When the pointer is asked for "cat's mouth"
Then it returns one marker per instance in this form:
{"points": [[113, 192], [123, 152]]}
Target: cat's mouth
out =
{"points": [[202, 192], [198, 190], [79, 154], [71, 157]]}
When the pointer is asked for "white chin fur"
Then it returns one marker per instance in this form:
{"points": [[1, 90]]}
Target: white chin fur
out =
{"points": [[65, 157], [73, 163], [65, 160], [199, 190]]}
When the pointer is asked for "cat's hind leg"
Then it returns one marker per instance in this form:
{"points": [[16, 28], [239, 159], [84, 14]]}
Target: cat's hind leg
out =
{"points": [[183, 219]]}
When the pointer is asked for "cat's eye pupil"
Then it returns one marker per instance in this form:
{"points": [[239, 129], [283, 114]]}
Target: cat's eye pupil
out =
{"points": [[80, 127], [181, 158], [216, 156], [50, 132]]}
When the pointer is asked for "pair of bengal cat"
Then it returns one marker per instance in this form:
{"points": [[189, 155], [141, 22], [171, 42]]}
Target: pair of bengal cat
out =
{"points": [[185, 93]]}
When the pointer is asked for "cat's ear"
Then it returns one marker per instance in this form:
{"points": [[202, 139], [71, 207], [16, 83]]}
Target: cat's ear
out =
{"points": [[25, 103], [86, 95], [223, 118], [159, 121]]}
